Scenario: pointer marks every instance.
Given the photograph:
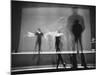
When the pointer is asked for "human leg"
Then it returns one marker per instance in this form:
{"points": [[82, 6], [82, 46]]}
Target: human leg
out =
{"points": [[83, 62]]}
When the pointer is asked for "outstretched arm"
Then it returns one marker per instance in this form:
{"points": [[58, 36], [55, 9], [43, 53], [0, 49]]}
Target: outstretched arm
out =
{"points": [[30, 34]]}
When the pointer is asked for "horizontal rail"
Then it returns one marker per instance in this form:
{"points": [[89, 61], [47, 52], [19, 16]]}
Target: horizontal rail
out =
{"points": [[54, 52]]}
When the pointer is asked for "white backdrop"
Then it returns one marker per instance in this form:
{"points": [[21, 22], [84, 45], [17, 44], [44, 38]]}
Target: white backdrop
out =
{"points": [[46, 18]]}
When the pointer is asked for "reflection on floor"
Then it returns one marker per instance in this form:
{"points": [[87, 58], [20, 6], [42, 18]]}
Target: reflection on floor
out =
{"points": [[49, 67], [26, 62]]}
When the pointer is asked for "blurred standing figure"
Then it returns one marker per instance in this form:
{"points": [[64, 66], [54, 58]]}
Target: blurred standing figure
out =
{"points": [[39, 35], [58, 48], [76, 27]]}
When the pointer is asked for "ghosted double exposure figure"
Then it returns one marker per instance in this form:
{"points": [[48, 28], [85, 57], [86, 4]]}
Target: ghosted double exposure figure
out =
{"points": [[76, 27], [77, 32], [58, 48]]}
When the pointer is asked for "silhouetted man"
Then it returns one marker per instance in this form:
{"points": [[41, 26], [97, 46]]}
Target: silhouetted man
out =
{"points": [[76, 27], [39, 35], [77, 32], [57, 45]]}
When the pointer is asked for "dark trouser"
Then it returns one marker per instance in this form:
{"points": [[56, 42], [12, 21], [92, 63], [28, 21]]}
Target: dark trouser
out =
{"points": [[74, 58], [83, 63], [38, 43], [60, 59]]}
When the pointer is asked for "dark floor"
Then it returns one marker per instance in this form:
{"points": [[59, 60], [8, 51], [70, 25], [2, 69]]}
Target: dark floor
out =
{"points": [[34, 63]]}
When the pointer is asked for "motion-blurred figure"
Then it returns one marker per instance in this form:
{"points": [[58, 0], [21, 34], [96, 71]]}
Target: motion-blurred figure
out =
{"points": [[58, 48], [76, 27], [39, 35]]}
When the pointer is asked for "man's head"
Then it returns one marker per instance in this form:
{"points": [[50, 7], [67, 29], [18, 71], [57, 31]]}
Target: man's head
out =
{"points": [[75, 10], [59, 31], [39, 29]]}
